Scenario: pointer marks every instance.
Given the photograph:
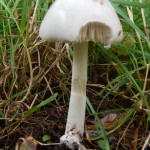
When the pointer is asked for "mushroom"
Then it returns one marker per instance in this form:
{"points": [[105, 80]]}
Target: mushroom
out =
{"points": [[80, 21]]}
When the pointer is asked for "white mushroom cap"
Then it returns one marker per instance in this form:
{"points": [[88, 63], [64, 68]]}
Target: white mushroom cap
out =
{"points": [[81, 20]]}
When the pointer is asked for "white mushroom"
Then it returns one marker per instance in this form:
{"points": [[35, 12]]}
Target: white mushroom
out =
{"points": [[80, 21]]}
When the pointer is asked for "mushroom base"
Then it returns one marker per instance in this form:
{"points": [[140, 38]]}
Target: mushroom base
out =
{"points": [[71, 140]]}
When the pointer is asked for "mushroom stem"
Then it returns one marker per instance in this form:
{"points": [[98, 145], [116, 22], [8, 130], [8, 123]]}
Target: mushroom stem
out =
{"points": [[76, 114], [77, 106]]}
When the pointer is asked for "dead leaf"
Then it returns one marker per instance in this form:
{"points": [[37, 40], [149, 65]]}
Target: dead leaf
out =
{"points": [[108, 119], [28, 143]]}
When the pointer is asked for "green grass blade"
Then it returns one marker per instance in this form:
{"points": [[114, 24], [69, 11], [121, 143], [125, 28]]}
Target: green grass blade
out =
{"points": [[122, 120], [99, 125], [43, 103], [121, 13], [24, 15], [16, 3], [128, 74], [17, 95], [134, 4], [10, 13]]}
